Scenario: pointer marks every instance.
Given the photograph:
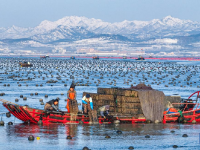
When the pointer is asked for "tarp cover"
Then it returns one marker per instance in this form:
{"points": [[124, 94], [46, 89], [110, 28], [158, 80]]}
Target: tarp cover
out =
{"points": [[152, 103]]}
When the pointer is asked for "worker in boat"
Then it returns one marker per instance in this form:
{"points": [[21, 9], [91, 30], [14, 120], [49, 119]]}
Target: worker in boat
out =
{"points": [[104, 111], [71, 95], [87, 106], [87, 103], [52, 105], [72, 105], [170, 109]]}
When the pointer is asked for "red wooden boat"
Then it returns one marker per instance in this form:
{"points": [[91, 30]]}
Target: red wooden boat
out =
{"points": [[190, 111], [25, 64], [32, 115]]}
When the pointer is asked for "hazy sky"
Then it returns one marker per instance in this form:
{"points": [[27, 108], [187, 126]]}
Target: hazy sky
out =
{"points": [[29, 13]]}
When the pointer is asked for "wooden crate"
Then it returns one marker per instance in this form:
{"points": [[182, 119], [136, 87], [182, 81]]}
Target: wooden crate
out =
{"points": [[106, 97], [131, 93], [130, 111], [130, 99], [131, 105]]}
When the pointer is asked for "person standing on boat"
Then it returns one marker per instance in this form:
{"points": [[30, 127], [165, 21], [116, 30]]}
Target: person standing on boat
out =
{"points": [[72, 106], [87, 106], [52, 105], [71, 95]]}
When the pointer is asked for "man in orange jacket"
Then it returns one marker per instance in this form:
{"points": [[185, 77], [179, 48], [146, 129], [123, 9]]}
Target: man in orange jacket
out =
{"points": [[71, 95]]}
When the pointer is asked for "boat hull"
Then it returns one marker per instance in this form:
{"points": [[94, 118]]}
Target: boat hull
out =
{"points": [[188, 116], [27, 114]]}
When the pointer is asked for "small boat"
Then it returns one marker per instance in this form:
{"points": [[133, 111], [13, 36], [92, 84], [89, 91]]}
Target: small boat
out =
{"points": [[72, 57], [140, 58], [25, 64], [44, 57], [33, 115], [189, 111], [95, 57]]}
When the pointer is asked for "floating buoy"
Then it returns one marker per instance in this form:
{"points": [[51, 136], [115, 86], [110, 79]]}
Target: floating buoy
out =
{"points": [[119, 132], [184, 135], [31, 138], [8, 114], [85, 148], [116, 122], [131, 147], [148, 121], [40, 122], [107, 137], [172, 131], [147, 136], [10, 123], [1, 123], [38, 138], [69, 137], [194, 121]]}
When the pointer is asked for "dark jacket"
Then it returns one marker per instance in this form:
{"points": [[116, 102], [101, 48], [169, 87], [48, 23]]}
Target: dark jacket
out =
{"points": [[50, 106]]}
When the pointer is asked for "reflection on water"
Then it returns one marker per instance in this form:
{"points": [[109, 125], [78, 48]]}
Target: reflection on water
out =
{"points": [[93, 136]]}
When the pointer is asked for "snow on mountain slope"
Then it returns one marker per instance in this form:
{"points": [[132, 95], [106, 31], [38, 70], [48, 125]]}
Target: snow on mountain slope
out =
{"points": [[166, 33], [167, 25]]}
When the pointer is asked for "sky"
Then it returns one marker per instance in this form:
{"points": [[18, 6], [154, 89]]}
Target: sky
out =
{"points": [[30, 13]]}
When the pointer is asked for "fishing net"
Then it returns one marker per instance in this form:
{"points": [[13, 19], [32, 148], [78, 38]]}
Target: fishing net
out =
{"points": [[152, 103]]}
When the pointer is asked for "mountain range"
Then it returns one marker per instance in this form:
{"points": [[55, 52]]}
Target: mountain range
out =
{"points": [[73, 33]]}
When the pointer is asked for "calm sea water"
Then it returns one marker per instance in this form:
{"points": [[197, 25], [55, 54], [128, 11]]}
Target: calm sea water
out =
{"points": [[156, 73]]}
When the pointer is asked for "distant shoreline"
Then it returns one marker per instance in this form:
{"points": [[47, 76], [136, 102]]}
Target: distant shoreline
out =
{"points": [[104, 57]]}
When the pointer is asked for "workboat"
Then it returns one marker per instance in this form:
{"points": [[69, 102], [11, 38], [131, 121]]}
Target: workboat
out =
{"points": [[140, 58], [44, 57], [33, 115], [72, 57], [95, 57], [189, 111], [25, 64]]}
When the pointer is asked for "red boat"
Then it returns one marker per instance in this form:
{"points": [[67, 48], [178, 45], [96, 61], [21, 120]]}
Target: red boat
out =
{"points": [[32, 115], [190, 111], [25, 64]]}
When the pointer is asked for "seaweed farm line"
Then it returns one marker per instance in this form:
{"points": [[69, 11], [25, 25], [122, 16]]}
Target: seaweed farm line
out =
{"points": [[53, 77]]}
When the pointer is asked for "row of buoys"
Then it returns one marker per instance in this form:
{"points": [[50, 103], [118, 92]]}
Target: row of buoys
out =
{"points": [[98, 66]]}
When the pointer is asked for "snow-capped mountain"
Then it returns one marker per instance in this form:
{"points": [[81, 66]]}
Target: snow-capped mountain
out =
{"points": [[168, 31]]}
